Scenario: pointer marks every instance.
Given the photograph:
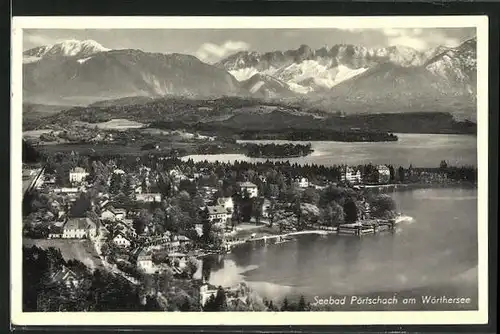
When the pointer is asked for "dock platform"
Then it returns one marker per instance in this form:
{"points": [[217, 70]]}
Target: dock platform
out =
{"points": [[367, 227]]}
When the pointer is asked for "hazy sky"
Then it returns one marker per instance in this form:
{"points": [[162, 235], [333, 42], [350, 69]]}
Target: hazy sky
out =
{"points": [[212, 45]]}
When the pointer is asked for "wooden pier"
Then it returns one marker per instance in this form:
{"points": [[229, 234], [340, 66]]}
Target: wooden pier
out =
{"points": [[360, 228], [279, 238], [367, 227]]}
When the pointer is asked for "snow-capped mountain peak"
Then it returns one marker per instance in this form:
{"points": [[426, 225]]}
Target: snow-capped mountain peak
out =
{"points": [[456, 64], [71, 48], [67, 48]]}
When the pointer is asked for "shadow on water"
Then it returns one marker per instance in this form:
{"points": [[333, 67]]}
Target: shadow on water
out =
{"points": [[210, 264]]}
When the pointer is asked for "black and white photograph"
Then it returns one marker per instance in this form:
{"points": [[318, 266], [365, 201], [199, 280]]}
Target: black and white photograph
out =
{"points": [[335, 166]]}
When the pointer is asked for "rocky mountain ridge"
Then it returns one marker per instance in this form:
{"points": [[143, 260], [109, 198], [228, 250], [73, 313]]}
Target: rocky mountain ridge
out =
{"points": [[345, 78]]}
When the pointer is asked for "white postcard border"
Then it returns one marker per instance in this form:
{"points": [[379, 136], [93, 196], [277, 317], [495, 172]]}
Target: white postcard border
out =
{"points": [[18, 317]]}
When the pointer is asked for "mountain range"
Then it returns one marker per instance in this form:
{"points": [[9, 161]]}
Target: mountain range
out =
{"points": [[76, 73], [346, 78]]}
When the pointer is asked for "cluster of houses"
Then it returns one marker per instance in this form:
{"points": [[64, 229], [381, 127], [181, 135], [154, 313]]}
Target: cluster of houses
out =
{"points": [[173, 245], [114, 224], [118, 223], [234, 295], [111, 224]]}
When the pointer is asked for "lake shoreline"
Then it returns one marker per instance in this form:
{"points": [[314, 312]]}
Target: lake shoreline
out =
{"points": [[417, 186], [336, 265], [410, 149]]}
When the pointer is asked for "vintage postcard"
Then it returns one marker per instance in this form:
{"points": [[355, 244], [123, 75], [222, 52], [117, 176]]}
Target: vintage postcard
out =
{"points": [[249, 170]]}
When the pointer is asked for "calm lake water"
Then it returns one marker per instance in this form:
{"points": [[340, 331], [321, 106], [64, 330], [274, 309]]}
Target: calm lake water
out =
{"points": [[422, 150], [433, 253]]}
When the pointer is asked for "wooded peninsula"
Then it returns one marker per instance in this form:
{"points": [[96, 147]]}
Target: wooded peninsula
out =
{"points": [[277, 150]]}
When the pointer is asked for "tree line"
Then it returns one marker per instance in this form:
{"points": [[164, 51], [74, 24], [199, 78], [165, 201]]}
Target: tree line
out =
{"points": [[277, 150]]}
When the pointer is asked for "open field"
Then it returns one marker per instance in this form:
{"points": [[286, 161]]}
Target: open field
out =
{"points": [[35, 133], [166, 145], [113, 124], [129, 149], [178, 133], [81, 250]]}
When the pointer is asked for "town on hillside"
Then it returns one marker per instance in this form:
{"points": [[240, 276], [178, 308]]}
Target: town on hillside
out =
{"points": [[148, 222]]}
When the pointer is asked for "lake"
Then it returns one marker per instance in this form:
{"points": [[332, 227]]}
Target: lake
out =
{"points": [[421, 150], [434, 252]]}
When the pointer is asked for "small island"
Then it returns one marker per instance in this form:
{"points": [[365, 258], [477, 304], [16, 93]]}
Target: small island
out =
{"points": [[276, 151]]}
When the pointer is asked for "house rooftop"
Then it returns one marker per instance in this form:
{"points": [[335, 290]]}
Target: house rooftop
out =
{"points": [[247, 184], [55, 229], [78, 170], [118, 210], [128, 222], [117, 233], [216, 209], [223, 200], [63, 274], [144, 256]]}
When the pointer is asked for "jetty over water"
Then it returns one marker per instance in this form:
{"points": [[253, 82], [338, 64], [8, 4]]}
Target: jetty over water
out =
{"points": [[368, 226], [359, 228], [278, 238]]}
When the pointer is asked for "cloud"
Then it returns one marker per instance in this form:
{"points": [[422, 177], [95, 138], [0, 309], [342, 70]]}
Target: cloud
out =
{"points": [[210, 52], [33, 40], [407, 37], [419, 38], [451, 42]]}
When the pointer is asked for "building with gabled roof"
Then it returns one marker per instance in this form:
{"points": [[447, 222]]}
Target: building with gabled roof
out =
{"points": [[148, 197], [250, 188], [79, 228], [301, 182], [145, 262], [350, 175], [77, 175], [384, 174], [66, 277], [108, 215], [227, 203], [119, 213], [120, 239], [217, 214], [55, 231]]}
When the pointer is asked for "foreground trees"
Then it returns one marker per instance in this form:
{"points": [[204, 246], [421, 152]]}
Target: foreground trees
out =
{"points": [[383, 206], [333, 215], [97, 291]]}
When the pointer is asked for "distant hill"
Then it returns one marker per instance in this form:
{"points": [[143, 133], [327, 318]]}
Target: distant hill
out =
{"points": [[231, 113], [70, 79]]}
